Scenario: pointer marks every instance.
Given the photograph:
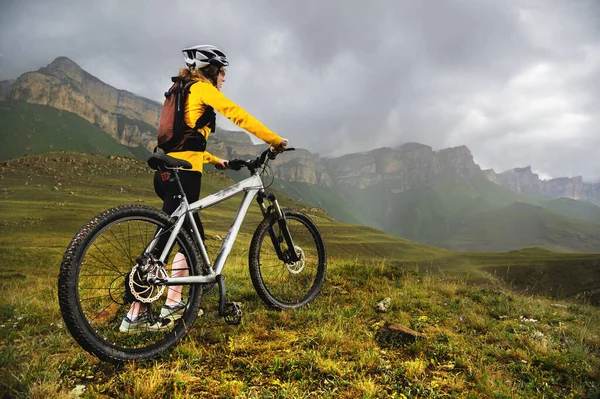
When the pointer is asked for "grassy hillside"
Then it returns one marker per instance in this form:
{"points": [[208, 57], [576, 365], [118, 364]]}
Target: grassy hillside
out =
{"points": [[338, 205], [461, 214], [31, 128], [523, 225], [481, 339], [575, 209]]}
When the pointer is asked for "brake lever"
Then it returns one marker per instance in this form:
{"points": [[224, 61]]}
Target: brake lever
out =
{"points": [[273, 154]]}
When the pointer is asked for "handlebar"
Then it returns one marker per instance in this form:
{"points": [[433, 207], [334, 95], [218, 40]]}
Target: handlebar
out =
{"points": [[252, 165]]}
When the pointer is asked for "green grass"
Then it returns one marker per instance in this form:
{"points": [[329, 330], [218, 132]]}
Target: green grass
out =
{"points": [[32, 128], [575, 209], [521, 224], [334, 202], [479, 338]]}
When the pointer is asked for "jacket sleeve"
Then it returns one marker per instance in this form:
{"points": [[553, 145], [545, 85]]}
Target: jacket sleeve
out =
{"points": [[210, 158], [238, 115]]}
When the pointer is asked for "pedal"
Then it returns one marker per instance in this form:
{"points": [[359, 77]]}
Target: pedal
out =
{"points": [[233, 313]]}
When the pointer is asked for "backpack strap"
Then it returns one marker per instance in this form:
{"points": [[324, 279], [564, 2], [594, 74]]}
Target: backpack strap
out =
{"points": [[208, 117]]}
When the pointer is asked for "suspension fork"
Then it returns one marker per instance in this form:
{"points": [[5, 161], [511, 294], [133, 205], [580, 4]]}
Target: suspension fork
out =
{"points": [[290, 255]]}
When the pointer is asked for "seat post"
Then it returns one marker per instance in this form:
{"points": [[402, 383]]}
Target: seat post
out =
{"points": [[176, 172]]}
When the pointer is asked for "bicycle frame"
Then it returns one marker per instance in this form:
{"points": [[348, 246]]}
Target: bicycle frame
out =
{"points": [[251, 187]]}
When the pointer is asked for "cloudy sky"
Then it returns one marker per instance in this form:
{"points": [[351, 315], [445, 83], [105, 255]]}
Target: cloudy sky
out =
{"points": [[518, 82]]}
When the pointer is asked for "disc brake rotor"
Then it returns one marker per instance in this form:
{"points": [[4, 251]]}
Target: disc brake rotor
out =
{"points": [[141, 289], [297, 267]]}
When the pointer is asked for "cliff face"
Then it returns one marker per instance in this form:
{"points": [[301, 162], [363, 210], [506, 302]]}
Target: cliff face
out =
{"points": [[105, 96], [523, 180], [564, 187], [402, 168], [398, 169], [64, 85]]}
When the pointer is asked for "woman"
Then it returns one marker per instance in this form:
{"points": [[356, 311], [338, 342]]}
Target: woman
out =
{"points": [[205, 66]]}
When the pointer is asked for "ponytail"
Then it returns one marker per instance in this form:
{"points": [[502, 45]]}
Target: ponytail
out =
{"points": [[207, 74]]}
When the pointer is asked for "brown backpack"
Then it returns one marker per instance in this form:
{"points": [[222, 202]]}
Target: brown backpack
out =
{"points": [[173, 133]]}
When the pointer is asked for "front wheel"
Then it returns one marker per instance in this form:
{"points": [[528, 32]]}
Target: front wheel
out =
{"points": [[286, 284]]}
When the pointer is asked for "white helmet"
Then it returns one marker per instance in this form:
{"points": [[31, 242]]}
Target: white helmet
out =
{"points": [[203, 55]]}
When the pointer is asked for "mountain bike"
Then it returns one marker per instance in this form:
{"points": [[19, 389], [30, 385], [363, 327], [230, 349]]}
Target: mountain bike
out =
{"points": [[134, 254]]}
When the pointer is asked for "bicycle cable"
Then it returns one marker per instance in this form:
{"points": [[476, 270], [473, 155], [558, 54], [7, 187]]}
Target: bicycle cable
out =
{"points": [[267, 174]]}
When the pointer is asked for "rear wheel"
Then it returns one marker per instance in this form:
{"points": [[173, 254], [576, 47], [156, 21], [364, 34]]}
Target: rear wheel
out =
{"points": [[99, 278], [286, 284]]}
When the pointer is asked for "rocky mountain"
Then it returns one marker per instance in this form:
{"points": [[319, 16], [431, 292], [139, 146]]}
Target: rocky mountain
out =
{"points": [[5, 87], [131, 119], [397, 169], [400, 168], [523, 180]]}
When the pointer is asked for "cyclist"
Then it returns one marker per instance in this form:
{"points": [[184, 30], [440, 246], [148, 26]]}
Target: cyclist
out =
{"points": [[205, 66]]}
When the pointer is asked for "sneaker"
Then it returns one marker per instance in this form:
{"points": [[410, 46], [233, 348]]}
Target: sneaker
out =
{"points": [[173, 312], [143, 323]]}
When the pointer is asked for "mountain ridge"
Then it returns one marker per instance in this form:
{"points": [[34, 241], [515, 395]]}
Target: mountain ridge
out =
{"points": [[63, 84]]}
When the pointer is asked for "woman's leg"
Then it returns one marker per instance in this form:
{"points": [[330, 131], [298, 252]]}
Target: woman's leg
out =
{"points": [[191, 182], [168, 192]]}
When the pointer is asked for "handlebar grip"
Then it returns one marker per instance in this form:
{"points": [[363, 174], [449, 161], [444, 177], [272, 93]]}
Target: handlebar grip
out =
{"points": [[236, 164]]}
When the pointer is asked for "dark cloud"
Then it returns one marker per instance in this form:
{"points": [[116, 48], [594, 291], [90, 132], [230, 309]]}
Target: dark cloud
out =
{"points": [[516, 81]]}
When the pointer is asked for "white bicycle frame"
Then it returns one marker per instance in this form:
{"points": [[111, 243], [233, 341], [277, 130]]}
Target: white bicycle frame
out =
{"points": [[251, 187]]}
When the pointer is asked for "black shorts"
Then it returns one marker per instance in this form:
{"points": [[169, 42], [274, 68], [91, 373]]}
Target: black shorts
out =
{"points": [[168, 192]]}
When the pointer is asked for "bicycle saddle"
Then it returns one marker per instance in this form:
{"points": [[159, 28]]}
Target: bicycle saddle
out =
{"points": [[163, 161]]}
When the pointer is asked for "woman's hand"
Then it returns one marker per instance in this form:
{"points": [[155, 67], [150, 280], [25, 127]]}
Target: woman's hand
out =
{"points": [[281, 147], [221, 164]]}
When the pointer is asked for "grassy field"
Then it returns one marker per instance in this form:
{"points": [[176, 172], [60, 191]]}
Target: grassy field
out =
{"points": [[482, 337]]}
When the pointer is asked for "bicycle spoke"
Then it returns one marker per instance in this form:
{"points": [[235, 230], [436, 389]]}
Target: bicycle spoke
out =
{"points": [[114, 267], [94, 297], [123, 250], [113, 245], [101, 275]]}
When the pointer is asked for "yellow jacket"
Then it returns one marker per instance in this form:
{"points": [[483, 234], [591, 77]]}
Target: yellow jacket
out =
{"points": [[203, 94]]}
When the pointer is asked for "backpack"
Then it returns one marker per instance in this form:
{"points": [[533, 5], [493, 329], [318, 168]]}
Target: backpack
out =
{"points": [[173, 133]]}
